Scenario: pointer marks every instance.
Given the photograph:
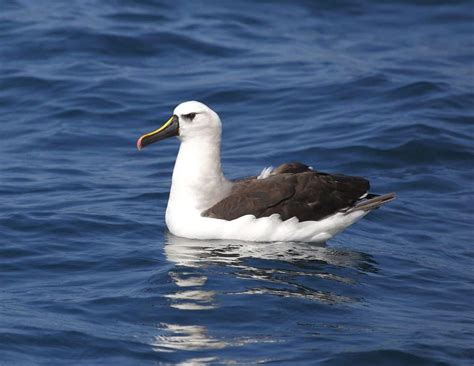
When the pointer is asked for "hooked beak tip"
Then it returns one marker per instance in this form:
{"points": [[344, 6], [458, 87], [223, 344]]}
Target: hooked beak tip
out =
{"points": [[139, 143]]}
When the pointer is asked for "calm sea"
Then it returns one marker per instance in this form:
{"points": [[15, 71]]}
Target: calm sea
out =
{"points": [[89, 274]]}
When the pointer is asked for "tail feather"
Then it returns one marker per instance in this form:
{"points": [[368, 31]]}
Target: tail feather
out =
{"points": [[372, 202]]}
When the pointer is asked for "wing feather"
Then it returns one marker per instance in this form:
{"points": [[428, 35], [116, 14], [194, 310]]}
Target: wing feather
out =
{"points": [[292, 190]]}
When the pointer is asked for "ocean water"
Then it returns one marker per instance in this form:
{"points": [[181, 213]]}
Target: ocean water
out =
{"points": [[88, 272]]}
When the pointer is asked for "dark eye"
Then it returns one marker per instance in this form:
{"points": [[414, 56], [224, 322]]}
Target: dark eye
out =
{"points": [[190, 116]]}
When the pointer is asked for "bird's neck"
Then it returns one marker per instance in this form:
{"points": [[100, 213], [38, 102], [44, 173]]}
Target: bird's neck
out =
{"points": [[198, 181]]}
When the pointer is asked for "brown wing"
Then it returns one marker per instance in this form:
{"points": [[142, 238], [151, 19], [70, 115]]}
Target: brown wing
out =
{"points": [[306, 194]]}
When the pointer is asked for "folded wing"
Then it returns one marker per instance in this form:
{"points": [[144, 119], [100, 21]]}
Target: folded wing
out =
{"points": [[291, 190]]}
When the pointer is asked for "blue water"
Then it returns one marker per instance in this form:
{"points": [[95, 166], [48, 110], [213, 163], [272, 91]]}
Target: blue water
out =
{"points": [[89, 274]]}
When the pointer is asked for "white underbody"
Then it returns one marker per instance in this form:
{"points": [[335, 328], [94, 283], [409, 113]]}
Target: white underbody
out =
{"points": [[249, 228]]}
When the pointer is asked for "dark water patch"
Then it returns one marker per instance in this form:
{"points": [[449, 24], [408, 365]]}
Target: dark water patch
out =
{"points": [[13, 252], [94, 103], [109, 45], [80, 140], [390, 357], [180, 43], [136, 18], [458, 102], [417, 89], [419, 151], [453, 118], [61, 343]]}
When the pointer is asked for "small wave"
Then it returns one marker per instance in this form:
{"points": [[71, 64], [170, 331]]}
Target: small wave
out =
{"points": [[136, 18], [417, 89], [384, 356]]}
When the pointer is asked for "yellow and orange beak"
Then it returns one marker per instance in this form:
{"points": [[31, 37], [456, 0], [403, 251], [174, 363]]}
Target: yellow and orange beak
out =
{"points": [[169, 129]]}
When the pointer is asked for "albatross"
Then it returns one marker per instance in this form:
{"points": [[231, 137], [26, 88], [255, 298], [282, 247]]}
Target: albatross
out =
{"points": [[292, 202]]}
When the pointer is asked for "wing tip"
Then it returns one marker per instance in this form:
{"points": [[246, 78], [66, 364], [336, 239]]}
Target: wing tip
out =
{"points": [[372, 203]]}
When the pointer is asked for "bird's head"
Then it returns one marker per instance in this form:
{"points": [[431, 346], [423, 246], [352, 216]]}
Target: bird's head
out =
{"points": [[189, 120]]}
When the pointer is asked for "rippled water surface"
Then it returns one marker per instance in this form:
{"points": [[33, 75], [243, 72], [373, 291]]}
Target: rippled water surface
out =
{"points": [[89, 274]]}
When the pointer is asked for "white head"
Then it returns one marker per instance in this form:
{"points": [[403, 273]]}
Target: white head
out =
{"points": [[197, 120], [190, 120]]}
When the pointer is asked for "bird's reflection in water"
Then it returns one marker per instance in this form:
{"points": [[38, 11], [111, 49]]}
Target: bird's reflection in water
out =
{"points": [[196, 253], [291, 270], [186, 337]]}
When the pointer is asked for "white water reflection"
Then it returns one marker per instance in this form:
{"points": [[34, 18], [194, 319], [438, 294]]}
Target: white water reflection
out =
{"points": [[281, 268], [190, 299], [197, 253], [186, 337], [288, 270]]}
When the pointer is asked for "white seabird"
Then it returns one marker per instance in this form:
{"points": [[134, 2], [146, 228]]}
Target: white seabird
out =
{"points": [[290, 203]]}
